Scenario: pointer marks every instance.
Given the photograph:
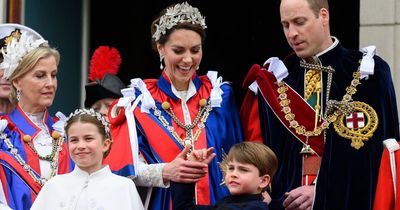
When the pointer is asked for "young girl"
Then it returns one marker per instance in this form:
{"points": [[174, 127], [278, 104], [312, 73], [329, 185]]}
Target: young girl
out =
{"points": [[248, 170], [90, 185]]}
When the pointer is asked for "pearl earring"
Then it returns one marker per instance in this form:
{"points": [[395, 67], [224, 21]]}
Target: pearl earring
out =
{"points": [[161, 62]]}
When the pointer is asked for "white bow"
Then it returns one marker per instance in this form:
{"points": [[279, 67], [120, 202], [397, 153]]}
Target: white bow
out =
{"points": [[3, 125], [277, 67], [367, 63], [59, 126], [146, 99], [126, 102], [254, 87], [216, 92]]}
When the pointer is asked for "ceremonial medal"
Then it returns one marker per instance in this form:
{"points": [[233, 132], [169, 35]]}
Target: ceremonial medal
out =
{"points": [[359, 125]]}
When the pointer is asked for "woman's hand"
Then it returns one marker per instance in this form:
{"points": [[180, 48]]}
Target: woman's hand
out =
{"points": [[184, 171]]}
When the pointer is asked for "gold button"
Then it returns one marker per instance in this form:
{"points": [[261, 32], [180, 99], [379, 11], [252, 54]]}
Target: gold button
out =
{"points": [[165, 105], [27, 138], [202, 102], [55, 135]]}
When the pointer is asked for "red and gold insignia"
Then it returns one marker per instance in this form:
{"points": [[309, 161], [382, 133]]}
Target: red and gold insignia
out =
{"points": [[359, 126]]}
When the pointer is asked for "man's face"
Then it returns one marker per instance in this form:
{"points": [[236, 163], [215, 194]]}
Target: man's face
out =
{"points": [[307, 33]]}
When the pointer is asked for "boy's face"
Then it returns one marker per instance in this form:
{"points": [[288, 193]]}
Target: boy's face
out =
{"points": [[243, 178]]}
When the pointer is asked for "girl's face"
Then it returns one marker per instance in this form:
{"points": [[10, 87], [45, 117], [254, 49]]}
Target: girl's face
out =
{"points": [[183, 54], [86, 146]]}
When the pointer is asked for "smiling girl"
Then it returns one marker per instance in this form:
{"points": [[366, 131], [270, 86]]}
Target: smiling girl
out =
{"points": [[90, 184]]}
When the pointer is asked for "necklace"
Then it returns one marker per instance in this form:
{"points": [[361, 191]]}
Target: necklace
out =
{"points": [[53, 162], [199, 120], [49, 157], [332, 112]]}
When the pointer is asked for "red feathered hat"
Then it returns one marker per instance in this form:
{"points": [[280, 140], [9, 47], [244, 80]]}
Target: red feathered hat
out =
{"points": [[103, 82]]}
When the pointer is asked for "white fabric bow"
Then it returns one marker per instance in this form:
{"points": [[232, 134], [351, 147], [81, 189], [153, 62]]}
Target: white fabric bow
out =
{"points": [[126, 102], [216, 92], [277, 67], [367, 63], [3, 125], [146, 98], [59, 126]]}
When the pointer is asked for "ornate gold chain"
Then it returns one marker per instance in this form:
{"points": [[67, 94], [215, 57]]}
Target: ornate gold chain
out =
{"points": [[333, 109], [27, 167], [48, 157], [200, 120]]}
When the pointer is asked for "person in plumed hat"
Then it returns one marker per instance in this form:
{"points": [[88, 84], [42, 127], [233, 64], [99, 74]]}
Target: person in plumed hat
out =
{"points": [[32, 147], [104, 86]]}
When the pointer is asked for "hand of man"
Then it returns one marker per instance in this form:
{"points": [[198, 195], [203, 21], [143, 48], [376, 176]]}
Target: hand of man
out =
{"points": [[300, 198], [184, 171]]}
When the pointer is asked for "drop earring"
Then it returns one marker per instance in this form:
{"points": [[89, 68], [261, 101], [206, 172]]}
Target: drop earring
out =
{"points": [[161, 62], [18, 95]]}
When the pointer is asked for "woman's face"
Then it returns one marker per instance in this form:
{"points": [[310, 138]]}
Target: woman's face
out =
{"points": [[38, 86], [5, 86], [183, 53]]}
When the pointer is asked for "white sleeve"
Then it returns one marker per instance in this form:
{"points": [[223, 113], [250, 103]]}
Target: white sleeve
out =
{"points": [[150, 175]]}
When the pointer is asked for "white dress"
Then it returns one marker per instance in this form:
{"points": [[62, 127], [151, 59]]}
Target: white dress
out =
{"points": [[101, 190]]}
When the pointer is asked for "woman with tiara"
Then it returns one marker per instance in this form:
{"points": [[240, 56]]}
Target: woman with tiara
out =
{"points": [[159, 117]]}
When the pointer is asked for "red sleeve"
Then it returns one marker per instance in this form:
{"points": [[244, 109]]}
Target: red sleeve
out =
{"points": [[384, 195], [249, 114]]}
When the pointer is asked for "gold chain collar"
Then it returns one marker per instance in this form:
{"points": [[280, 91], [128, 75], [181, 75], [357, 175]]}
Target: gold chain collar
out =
{"points": [[200, 120], [27, 167], [332, 112]]}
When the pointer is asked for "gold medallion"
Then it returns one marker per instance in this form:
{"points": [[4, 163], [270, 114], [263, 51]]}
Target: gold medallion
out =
{"points": [[359, 126]]}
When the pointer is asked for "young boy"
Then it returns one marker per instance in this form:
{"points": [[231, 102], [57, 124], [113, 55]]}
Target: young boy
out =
{"points": [[248, 169]]}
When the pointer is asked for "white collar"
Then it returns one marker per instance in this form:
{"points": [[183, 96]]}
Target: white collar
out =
{"points": [[189, 92], [334, 44], [83, 174]]}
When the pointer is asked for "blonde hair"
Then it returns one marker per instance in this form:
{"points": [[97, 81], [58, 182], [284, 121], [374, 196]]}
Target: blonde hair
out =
{"points": [[28, 62]]}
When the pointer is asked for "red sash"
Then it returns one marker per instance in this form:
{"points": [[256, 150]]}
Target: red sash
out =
{"points": [[268, 87], [34, 186]]}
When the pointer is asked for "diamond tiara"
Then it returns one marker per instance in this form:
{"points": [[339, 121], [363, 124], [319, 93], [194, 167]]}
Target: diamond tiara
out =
{"points": [[180, 13], [92, 113]]}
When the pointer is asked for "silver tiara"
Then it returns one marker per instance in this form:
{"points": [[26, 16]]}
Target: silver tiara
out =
{"points": [[180, 13], [92, 113]]}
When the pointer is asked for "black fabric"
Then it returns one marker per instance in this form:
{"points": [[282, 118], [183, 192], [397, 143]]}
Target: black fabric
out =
{"points": [[347, 177], [109, 87], [183, 199]]}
